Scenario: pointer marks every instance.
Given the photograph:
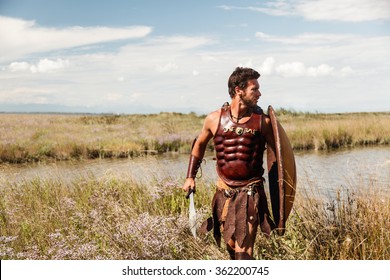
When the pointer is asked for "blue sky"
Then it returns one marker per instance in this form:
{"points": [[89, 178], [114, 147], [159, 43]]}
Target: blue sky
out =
{"points": [[146, 56]]}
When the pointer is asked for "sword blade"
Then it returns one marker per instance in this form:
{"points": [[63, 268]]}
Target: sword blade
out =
{"points": [[192, 215]]}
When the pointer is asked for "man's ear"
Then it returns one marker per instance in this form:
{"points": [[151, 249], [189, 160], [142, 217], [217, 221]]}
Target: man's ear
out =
{"points": [[238, 91]]}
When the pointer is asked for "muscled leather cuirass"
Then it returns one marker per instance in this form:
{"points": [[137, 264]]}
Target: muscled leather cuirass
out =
{"points": [[239, 149]]}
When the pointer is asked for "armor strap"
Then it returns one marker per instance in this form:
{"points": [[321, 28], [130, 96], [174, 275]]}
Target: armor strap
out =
{"points": [[193, 166]]}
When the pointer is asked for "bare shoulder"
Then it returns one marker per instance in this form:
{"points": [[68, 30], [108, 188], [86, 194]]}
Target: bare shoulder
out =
{"points": [[267, 125], [212, 120], [214, 115]]}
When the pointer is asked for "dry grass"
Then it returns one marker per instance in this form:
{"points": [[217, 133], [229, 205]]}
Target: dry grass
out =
{"points": [[37, 137], [353, 226], [332, 131], [96, 219], [118, 218], [111, 218]]}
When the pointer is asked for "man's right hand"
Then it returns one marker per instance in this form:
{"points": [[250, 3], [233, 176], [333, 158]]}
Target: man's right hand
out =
{"points": [[189, 184]]}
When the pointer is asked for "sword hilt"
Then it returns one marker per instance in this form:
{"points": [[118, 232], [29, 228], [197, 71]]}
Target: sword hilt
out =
{"points": [[190, 191]]}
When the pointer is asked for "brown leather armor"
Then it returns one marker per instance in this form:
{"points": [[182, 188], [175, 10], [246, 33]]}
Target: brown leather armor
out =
{"points": [[239, 149]]}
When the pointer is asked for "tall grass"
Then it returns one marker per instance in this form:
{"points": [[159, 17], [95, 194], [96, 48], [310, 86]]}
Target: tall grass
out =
{"points": [[120, 218], [332, 131], [96, 219], [37, 137], [116, 218], [28, 138], [353, 226]]}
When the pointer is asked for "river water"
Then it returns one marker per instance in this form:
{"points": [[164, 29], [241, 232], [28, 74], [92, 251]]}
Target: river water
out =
{"points": [[323, 173]]}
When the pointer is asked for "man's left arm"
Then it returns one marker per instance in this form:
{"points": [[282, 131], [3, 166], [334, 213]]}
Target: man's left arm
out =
{"points": [[268, 133]]}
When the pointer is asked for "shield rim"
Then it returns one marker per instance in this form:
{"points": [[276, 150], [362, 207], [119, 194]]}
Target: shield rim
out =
{"points": [[277, 175]]}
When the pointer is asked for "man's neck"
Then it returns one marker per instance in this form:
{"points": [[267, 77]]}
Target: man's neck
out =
{"points": [[239, 110]]}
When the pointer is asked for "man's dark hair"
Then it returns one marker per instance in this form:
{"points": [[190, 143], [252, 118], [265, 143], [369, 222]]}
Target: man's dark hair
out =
{"points": [[240, 77]]}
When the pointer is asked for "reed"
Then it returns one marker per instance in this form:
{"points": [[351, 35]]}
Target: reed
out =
{"points": [[117, 218], [333, 131], [41, 137], [29, 138], [353, 226]]}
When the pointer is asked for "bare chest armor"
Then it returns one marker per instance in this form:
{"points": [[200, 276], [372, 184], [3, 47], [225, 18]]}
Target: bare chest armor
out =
{"points": [[239, 149]]}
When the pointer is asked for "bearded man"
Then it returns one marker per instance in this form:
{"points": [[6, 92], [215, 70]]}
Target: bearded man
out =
{"points": [[241, 132]]}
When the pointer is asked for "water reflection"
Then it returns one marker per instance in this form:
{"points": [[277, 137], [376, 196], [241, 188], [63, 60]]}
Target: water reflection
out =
{"points": [[347, 169], [320, 172]]}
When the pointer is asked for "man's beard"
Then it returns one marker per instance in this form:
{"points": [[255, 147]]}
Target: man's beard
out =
{"points": [[249, 102]]}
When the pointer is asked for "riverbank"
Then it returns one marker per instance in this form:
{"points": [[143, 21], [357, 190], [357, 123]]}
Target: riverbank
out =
{"points": [[116, 218], [40, 137]]}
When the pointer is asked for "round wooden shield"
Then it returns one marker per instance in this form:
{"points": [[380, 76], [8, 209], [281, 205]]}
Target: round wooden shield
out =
{"points": [[282, 174]]}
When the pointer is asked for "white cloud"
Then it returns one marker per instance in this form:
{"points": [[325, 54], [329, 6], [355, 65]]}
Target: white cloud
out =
{"points": [[20, 37], [299, 69], [177, 43], [164, 72], [131, 74], [346, 10], [170, 66], [338, 51], [248, 63], [268, 66], [324, 10], [47, 65], [43, 66], [346, 71], [306, 38], [294, 69], [278, 8], [19, 66], [162, 54], [321, 70]]}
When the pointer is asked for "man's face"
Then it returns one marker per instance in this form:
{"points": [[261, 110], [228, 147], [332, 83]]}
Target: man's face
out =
{"points": [[251, 94]]}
